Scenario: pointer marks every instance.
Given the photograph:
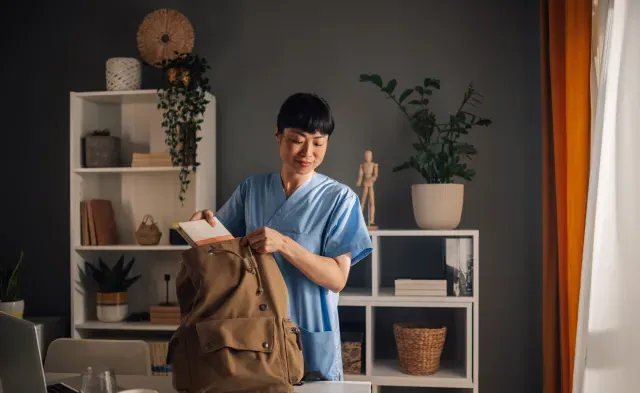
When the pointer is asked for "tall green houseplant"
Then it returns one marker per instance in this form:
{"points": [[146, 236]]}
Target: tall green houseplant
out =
{"points": [[183, 101], [441, 153]]}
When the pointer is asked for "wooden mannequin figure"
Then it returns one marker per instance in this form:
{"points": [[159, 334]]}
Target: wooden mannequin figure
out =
{"points": [[367, 177]]}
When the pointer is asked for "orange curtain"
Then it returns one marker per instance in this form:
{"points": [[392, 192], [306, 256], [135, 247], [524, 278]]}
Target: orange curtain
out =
{"points": [[565, 64]]}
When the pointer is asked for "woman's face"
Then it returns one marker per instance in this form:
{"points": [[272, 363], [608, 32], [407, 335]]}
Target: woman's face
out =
{"points": [[301, 152]]}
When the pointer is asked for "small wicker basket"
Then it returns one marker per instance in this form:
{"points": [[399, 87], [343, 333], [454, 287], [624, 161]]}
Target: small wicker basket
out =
{"points": [[419, 347], [148, 233]]}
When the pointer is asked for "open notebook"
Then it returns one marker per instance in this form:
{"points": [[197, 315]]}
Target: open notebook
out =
{"points": [[200, 232]]}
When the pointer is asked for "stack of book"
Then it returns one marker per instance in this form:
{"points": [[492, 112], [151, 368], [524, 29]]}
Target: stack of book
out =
{"points": [[98, 225], [164, 315], [413, 287], [151, 160], [158, 352]]}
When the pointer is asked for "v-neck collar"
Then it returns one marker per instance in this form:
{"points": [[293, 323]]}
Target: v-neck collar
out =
{"points": [[283, 203], [303, 185]]}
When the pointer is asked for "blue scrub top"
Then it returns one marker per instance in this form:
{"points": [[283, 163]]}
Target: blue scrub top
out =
{"points": [[325, 217]]}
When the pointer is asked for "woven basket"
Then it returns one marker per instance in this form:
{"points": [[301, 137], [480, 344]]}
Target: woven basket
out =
{"points": [[162, 33], [419, 347], [148, 233], [123, 73]]}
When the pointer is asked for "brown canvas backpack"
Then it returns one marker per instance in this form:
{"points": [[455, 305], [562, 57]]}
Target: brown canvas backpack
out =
{"points": [[235, 334]]}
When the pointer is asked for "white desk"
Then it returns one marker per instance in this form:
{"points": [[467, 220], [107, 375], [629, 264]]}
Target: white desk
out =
{"points": [[163, 384]]}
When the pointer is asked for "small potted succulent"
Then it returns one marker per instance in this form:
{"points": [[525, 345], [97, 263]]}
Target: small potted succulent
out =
{"points": [[112, 303], [10, 301]]}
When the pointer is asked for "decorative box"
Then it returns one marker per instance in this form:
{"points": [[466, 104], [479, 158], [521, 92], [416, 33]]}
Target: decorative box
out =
{"points": [[352, 350], [101, 150]]}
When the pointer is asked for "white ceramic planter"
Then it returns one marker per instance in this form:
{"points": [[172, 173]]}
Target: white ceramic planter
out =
{"points": [[112, 307], [15, 309], [437, 206]]}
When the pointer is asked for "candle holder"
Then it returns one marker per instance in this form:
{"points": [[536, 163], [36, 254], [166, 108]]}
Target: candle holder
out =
{"points": [[165, 313]]}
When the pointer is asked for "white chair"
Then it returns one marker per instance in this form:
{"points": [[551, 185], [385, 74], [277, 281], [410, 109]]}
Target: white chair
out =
{"points": [[125, 357]]}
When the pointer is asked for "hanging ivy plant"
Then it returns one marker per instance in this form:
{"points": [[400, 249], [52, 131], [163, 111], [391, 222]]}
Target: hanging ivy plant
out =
{"points": [[183, 101]]}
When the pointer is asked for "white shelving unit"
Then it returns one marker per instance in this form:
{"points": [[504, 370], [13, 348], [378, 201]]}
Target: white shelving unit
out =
{"points": [[462, 372], [134, 192]]}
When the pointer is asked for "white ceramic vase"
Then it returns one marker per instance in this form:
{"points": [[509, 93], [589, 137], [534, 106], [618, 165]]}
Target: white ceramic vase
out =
{"points": [[15, 309], [437, 206]]}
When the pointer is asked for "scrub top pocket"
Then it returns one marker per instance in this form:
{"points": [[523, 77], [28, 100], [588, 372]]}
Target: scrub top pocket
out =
{"points": [[322, 360]]}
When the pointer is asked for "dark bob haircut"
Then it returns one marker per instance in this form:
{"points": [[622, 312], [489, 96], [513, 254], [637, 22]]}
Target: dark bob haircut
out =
{"points": [[307, 112]]}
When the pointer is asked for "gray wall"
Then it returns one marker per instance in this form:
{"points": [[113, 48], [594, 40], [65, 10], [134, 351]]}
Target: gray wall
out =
{"points": [[261, 51]]}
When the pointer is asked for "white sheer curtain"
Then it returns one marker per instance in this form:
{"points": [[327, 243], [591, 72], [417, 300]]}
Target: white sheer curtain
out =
{"points": [[608, 337]]}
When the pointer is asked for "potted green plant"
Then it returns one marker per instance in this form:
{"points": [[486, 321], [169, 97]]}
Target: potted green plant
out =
{"points": [[184, 101], [112, 303], [10, 301], [440, 150]]}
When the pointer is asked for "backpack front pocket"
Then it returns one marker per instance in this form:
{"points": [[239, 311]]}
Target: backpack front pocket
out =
{"points": [[293, 351], [238, 354]]}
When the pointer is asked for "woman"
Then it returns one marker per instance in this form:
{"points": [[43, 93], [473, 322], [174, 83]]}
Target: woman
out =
{"points": [[311, 223]]}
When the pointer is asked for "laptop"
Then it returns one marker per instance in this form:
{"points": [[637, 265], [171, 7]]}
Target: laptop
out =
{"points": [[21, 367]]}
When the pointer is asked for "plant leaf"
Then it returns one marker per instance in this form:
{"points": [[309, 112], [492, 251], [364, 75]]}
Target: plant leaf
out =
{"points": [[404, 95], [372, 78], [128, 267], [405, 165], [97, 275], [125, 284], [117, 269], [430, 82], [390, 87], [13, 279]]}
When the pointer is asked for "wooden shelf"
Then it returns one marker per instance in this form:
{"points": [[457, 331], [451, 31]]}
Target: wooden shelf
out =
{"points": [[128, 326], [128, 169], [132, 247], [387, 295], [355, 297], [423, 232], [387, 373], [119, 97]]}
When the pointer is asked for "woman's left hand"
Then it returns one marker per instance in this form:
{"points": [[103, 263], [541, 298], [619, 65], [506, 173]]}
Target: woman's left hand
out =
{"points": [[264, 240]]}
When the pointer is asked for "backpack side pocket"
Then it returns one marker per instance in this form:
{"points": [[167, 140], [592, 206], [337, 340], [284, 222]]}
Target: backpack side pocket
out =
{"points": [[293, 351]]}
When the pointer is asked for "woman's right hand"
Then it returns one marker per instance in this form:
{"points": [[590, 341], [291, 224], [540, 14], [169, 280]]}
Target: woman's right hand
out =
{"points": [[204, 215]]}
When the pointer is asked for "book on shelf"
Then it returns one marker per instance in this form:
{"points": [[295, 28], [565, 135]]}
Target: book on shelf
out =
{"points": [[158, 352], [151, 160], [419, 287], [98, 225], [200, 232], [459, 259]]}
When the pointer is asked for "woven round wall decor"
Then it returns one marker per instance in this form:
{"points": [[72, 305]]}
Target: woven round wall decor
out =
{"points": [[162, 33]]}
